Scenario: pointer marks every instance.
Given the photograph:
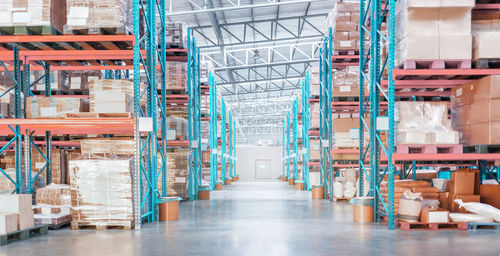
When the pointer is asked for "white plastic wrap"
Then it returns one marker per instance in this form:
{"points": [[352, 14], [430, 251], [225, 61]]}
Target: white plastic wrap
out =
{"points": [[338, 189], [206, 67], [178, 125], [83, 14], [176, 34], [349, 190], [484, 210], [468, 217], [101, 191], [32, 13], [176, 75]]}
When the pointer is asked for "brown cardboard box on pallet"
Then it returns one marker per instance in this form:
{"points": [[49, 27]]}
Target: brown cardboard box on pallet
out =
{"points": [[54, 107], [94, 14], [43, 13], [462, 183], [490, 194]]}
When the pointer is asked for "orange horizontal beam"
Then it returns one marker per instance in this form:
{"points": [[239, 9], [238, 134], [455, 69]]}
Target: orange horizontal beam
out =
{"points": [[71, 126], [445, 72], [444, 157], [65, 38]]}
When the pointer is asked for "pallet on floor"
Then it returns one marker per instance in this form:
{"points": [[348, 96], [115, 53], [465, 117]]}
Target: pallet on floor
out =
{"points": [[78, 225], [53, 223], [96, 115], [429, 149], [436, 64], [407, 226], [24, 234], [335, 199], [482, 149], [484, 225]]}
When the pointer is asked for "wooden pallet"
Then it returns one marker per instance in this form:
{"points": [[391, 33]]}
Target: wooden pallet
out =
{"points": [[487, 63], [121, 30], [56, 222], [97, 115], [436, 64], [407, 226], [346, 52], [429, 149], [482, 149], [346, 99], [176, 91], [484, 225], [335, 199], [29, 30], [125, 225], [24, 234]]}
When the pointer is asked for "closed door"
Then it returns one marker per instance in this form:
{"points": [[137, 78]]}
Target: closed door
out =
{"points": [[262, 169]]}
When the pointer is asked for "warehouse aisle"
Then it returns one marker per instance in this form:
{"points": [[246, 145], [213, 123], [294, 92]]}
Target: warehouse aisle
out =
{"points": [[257, 219]]}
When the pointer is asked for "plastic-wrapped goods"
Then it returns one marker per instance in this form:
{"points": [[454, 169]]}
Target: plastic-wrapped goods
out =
{"points": [[206, 67], [346, 82], [484, 210], [338, 190], [54, 194], [315, 177], [344, 21], [314, 150], [441, 184], [5, 183], [111, 96], [366, 187], [95, 14], [54, 107], [314, 82], [486, 36], [6, 101], [349, 190], [177, 127], [107, 147], [410, 206], [101, 191], [176, 34], [56, 82], [176, 75], [424, 123], [48, 13], [314, 115], [177, 174], [205, 129], [76, 80], [469, 217]]}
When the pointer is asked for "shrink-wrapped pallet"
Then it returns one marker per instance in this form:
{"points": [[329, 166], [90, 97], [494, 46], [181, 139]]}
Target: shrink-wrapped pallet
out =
{"points": [[101, 192], [177, 174], [206, 67], [97, 14], [176, 128], [175, 75], [107, 147], [111, 96], [77, 80], [33, 13], [54, 107]]}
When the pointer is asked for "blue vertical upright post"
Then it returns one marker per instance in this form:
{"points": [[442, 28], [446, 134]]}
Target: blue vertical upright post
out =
{"points": [[288, 145], [234, 149], [213, 131], [284, 148], [223, 137], [305, 131], [295, 138], [230, 144]]}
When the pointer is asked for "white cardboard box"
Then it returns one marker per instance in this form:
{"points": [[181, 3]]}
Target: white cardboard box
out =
{"points": [[21, 205], [8, 223], [455, 47]]}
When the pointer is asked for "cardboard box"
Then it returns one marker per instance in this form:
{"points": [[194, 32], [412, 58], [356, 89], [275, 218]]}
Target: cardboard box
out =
{"points": [[416, 137], [428, 215], [485, 111], [485, 89], [444, 200], [8, 222], [490, 194], [456, 21], [445, 137], [462, 183], [21, 205], [465, 199], [345, 124], [417, 47], [483, 133], [415, 21], [455, 47], [485, 45]]}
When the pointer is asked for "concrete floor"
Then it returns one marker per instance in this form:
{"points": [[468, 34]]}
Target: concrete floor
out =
{"points": [[260, 219]]}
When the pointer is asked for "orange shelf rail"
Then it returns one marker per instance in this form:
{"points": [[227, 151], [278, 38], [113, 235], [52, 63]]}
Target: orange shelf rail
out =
{"points": [[70, 126]]}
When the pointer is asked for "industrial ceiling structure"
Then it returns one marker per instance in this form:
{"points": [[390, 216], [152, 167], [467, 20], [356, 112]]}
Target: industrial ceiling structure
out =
{"points": [[261, 50]]}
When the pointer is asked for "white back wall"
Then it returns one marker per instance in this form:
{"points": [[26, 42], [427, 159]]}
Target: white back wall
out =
{"points": [[248, 155]]}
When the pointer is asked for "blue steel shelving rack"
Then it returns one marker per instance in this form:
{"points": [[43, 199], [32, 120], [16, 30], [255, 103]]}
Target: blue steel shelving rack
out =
{"points": [[295, 138], [213, 132], [223, 142], [305, 131], [325, 112]]}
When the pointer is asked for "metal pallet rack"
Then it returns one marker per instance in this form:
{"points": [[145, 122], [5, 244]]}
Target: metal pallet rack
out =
{"points": [[325, 112], [373, 14], [305, 131], [228, 136], [213, 132], [118, 53]]}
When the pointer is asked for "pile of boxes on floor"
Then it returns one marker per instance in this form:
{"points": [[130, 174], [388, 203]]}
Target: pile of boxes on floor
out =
{"points": [[458, 199], [15, 213]]}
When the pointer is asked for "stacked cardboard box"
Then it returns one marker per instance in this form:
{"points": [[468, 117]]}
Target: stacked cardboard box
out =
{"points": [[53, 204], [91, 14], [46, 13], [486, 37], [55, 80], [7, 107], [176, 75], [344, 20], [177, 175], [464, 185], [101, 192], [313, 115], [489, 194], [424, 123], [107, 147], [175, 34], [314, 82], [206, 67], [54, 107], [20, 207], [314, 150], [434, 29], [177, 128], [342, 129], [38, 162], [205, 104], [474, 108], [77, 80], [111, 96], [346, 82]]}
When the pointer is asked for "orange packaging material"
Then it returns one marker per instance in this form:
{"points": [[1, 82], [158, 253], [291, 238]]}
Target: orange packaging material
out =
{"points": [[291, 181], [444, 201], [299, 186], [227, 182], [490, 194], [218, 186], [234, 179], [424, 190], [317, 192], [204, 195], [363, 214], [169, 211]]}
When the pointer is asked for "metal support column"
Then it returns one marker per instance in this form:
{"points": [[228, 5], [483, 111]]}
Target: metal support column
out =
{"points": [[305, 131]]}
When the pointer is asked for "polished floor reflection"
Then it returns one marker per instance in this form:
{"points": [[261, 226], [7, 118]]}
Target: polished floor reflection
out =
{"points": [[257, 219]]}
